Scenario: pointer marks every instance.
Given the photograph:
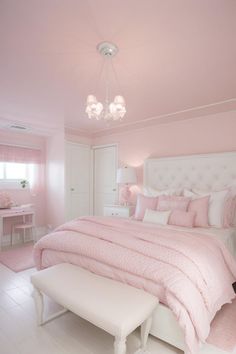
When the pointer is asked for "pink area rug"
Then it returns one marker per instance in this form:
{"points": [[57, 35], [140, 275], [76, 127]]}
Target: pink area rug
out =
{"points": [[223, 328], [18, 259]]}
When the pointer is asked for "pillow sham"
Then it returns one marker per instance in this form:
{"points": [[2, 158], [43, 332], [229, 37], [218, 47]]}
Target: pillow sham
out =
{"points": [[216, 206], [151, 192], [172, 203], [157, 217], [182, 218], [229, 212], [200, 206], [142, 204]]}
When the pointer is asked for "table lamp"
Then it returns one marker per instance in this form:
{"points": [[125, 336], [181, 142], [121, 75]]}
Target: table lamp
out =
{"points": [[126, 176]]}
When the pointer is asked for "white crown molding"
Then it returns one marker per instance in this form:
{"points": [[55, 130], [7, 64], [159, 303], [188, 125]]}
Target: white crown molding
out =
{"points": [[168, 118], [43, 129]]}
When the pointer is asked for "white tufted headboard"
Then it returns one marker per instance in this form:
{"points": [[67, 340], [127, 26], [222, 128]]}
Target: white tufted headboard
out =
{"points": [[205, 172]]}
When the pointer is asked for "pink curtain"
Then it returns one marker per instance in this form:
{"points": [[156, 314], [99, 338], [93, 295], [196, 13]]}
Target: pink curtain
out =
{"points": [[18, 154]]}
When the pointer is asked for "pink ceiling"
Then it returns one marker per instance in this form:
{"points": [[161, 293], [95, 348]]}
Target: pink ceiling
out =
{"points": [[173, 56]]}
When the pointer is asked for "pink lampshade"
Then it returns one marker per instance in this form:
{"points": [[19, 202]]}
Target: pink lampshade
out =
{"points": [[126, 175]]}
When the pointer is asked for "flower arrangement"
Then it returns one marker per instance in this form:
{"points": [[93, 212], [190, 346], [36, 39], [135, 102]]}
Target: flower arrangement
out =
{"points": [[5, 200], [24, 183]]}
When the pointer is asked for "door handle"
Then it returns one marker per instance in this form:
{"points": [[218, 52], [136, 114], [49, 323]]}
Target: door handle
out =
{"points": [[114, 190], [72, 189]]}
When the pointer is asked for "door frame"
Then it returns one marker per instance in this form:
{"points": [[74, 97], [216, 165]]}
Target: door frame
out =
{"points": [[93, 148]]}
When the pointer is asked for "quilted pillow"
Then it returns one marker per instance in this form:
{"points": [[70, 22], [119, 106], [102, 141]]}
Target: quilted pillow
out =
{"points": [[173, 202], [144, 203]]}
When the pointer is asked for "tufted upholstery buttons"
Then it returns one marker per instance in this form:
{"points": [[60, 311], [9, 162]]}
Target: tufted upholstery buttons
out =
{"points": [[207, 172]]}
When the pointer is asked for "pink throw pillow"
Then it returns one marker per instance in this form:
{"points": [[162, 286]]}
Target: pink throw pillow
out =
{"points": [[144, 203], [200, 206], [182, 218], [229, 212], [172, 202]]}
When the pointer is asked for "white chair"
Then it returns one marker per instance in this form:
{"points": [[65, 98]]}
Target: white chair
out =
{"points": [[26, 226], [22, 229]]}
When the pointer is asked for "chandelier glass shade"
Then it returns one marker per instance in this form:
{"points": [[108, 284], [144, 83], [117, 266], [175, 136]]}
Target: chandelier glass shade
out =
{"points": [[108, 110]]}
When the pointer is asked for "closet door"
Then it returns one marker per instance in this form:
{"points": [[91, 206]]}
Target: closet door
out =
{"points": [[105, 187], [77, 180]]}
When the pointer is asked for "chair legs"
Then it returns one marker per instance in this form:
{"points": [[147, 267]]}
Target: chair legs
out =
{"points": [[33, 234], [12, 234], [23, 232]]}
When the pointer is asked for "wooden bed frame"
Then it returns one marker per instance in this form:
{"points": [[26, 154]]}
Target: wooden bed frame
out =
{"points": [[204, 172]]}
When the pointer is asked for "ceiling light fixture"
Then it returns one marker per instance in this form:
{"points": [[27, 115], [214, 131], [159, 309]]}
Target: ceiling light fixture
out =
{"points": [[114, 110]]}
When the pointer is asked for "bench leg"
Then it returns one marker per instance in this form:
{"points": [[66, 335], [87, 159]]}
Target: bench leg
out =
{"points": [[120, 345], [38, 300], [145, 329]]}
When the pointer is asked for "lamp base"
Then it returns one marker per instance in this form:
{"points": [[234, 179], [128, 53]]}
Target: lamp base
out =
{"points": [[125, 195]]}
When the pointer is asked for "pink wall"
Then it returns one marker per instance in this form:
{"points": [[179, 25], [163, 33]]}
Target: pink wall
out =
{"points": [[55, 155], [213, 133], [24, 196], [78, 139]]}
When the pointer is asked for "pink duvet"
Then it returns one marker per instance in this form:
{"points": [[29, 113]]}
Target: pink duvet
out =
{"points": [[194, 272]]}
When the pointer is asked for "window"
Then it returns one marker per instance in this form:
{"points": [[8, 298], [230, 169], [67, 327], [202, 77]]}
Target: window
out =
{"points": [[11, 173], [1, 170]]}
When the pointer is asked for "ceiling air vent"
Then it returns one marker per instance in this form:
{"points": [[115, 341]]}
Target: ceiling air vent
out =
{"points": [[18, 127]]}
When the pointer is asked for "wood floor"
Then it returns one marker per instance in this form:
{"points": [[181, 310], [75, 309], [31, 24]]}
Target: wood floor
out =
{"points": [[68, 334]]}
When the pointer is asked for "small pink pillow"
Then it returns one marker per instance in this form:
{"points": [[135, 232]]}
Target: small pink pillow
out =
{"points": [[144, 203], [182, 218], [172, 202], [200, 206]]}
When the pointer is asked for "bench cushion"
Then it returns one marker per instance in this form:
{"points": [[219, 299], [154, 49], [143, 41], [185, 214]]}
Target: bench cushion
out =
{"points": [[113, 306]]}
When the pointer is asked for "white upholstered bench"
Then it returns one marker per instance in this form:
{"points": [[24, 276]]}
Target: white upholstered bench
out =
{"points": [[115, 307]]}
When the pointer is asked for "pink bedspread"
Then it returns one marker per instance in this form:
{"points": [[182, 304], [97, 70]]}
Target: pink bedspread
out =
{"points": [[195, 271]]}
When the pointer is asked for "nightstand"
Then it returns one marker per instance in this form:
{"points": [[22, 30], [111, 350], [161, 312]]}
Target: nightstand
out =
{"points": [[119, 210]]}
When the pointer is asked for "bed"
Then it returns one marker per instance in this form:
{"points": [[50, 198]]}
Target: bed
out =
{"points": [[212, 171], [205, 172]]}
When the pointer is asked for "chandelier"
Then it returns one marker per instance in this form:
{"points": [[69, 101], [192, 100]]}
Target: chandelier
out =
{"points": [[108, 110]]}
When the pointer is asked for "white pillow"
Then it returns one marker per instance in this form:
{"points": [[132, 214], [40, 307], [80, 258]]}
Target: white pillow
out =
{"points": [[157, 217], [151, 192], [193, 195], [216, 204]]}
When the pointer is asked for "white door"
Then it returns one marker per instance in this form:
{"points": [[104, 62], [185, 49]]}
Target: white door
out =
{"points": [[78, 169], [105, 187]]}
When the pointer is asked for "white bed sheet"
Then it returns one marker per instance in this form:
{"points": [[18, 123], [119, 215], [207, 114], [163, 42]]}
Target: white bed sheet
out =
{"points": [[227, 236]]}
